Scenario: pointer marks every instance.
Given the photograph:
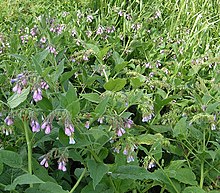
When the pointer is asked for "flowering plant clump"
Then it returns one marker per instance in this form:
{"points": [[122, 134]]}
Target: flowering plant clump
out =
{"points": [[109, 96]]}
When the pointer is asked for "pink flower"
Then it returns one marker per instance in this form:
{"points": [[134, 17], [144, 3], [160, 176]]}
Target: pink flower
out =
{"points": [[35, 126], [48, 129], [130, 158], [128, 123], [44, 162], [47, 126], [87, 125], [71, 140], [9, 121], [120, 132], [67, 131], [37, 96], [62, 166], [17, 89], [69, 128]]}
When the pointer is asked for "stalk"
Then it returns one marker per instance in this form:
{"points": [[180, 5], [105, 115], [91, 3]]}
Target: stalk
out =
{"points": [[202, 164], [78, 181], [29, 148]]}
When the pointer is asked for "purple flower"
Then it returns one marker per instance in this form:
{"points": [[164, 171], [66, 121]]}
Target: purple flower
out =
{"points": [[85, 57], [89, 18], [33, 31], [17, 89], [7, 131], [116, 149], [35, 126], [37, 96], [44, 85], [73, 33], [69, 128], [87, 125], [100, 120], [71, 140], [44, 162], [62, 165], [9, 121], [128, 123], [120, 132], [67, 131], [147, 118], [130, 158], [100, 30], [14, 80], [47, 126], [89, 34], [43, 40], [125, 152], [120, 13], [48, 129]]}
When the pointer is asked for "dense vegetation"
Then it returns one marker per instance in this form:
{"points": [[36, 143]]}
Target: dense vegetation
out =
{"points": [[110, 96]]}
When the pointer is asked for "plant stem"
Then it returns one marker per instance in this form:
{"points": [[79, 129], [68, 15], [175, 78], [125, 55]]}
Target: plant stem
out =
{"points": [[202, 163], [26, 129], [78, 181], [113, 185]]}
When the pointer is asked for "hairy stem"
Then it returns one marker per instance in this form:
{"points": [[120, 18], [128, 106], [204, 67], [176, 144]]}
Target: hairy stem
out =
{"points": [[78, 181], [29, 148]]}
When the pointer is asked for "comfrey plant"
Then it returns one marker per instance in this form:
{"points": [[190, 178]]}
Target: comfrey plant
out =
{"points": [[118, 96]]}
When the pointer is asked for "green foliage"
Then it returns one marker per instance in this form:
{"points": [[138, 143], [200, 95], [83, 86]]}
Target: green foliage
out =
{"points": [[109, 96]]}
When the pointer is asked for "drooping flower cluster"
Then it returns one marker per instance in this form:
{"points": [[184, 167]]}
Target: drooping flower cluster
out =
{"points": [[69, 131], [62, 164], [37, 95], [35, 125], [44, 162], [21, 82], [127, 123], [7, 130], [129, 152], [47, 125]]}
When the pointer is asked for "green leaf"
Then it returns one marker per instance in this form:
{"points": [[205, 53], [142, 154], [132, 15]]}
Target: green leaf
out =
{"points": [[75, 155], [38, 59], [180, 128], [193, 189], [185, 175], [115, 84], [48, 187], [149, 139], [97, 171], [93, 47], [41, 172], [59, 70], [74, 108], [11, 158], [136, 82], [156, 150], [45, 104], [1, 167], [161, 128], [102, 188], [16, 99], [101, 107], [132, 172], [176, 164], [93, 97], [20, 57], [66, 75], [24, 179], [71, 94], [117, 58], [96, 132]]}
